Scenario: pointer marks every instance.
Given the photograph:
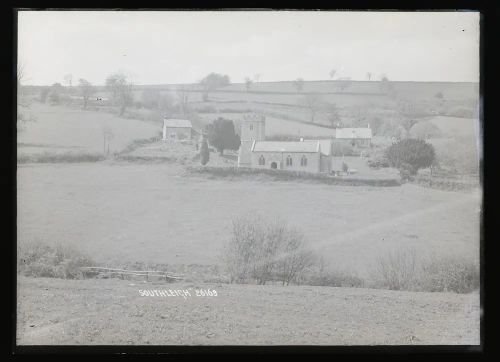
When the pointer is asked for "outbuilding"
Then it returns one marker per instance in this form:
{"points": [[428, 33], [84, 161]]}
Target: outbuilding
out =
{"points": [[177, 129]]}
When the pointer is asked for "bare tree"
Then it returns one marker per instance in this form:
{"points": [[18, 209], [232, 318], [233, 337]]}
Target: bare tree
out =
{"points": [[313, 102], [183, 98], [261, 250], [107, 135], [121, 90], [332, 114], [256, 78], [22, 102], [21, 75], [68, 79], [248, 83], [86, 90], [369, 75], [293, 257], [385, 85], [298, 84], [332, 73]]}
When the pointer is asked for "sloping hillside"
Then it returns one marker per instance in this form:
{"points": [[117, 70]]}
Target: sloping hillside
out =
{"points": [[100, 312]]}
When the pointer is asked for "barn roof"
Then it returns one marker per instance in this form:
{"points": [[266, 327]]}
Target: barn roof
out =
{"points": [[272, 146], [177, 123], [353, 133]]}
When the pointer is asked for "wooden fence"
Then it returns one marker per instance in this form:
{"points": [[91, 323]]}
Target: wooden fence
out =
{"points": [[101, 272]]}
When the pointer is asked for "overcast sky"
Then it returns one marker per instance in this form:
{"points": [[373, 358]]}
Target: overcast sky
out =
{"points": [[182, 47]]}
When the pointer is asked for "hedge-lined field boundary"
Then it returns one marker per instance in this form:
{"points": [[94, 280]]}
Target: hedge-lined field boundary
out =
{"points": [[282, 175]]}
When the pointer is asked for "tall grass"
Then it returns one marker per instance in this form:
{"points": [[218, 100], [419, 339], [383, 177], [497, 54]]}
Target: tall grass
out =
{"points": [[405, 269], [38, 259]]}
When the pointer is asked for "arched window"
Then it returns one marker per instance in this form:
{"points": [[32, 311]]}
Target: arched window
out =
{"points": [[303, 161], [288, 160], [262, 160], [251, 126]]}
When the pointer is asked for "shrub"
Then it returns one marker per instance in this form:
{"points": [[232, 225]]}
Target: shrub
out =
{"points": [[39, 259], [404, 270], [459, 154], [260, 251], [222, 136], [332, 278], [409, 155], [378, 161], [397, 270], [450, 274]]}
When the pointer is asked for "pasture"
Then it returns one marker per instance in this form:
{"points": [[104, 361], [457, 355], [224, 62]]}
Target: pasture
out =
{"points": [[119, 211], [60, 129]]}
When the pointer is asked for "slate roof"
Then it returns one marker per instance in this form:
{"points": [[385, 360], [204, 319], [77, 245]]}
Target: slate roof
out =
{"points": [[275, 146], [177, 123], [325, 146]]}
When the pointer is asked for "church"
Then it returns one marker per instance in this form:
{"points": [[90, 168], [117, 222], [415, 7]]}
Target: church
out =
{"points": [[313, 156]]}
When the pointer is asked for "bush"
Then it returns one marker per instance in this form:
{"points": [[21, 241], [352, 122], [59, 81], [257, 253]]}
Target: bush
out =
{"points": [[222, 136], [332, 278], [451, 274], [409, 155], [378, 161], [404, 270], [397, 270], [459, 155], [261, 251], [37, 259]]}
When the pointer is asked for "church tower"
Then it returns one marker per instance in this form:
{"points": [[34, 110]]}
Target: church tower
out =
{"points": [[253, 128]]}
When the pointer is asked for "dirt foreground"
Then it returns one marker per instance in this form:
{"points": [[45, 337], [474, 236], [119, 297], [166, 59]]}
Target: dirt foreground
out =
{"points": [[118, 312]]}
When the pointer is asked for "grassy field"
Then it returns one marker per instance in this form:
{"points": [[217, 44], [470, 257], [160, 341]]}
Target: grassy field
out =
{"points": [[108, 312], [119, 211], [456, 127], [60, 129], [421, 90]]}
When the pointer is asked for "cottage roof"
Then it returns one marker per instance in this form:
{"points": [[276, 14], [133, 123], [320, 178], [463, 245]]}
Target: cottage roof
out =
{"points": [[272, 146], [177, 123], [357, 133]]}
